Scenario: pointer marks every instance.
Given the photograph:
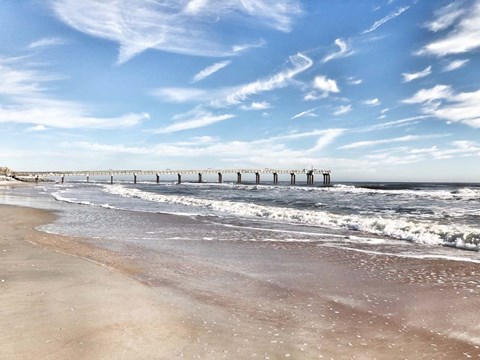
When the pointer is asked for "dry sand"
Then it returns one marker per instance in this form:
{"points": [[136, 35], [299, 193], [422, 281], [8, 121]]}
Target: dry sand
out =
{"points": [[232, 300]]}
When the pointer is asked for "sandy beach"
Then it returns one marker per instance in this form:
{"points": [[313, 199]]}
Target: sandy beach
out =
{"points": [[63, 297]]}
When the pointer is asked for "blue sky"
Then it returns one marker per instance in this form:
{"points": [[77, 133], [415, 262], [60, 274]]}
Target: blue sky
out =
{"points": [[373, 90]]}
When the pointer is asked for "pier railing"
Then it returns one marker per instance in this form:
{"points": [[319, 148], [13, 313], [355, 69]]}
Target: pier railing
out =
{"points": [[309, 173]]}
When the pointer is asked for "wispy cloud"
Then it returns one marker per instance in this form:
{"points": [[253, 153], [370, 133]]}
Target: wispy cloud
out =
{"points": [[386, 19], [47, 42], [306, 113], [446, 16], [244, 47], [236, 95], [194, 119], [299, 63], [343, 109], [26, 101], [455, 64], [392, 124], [324, 85], [344, 50], [209, 70], [273, 151], [428, 95], [354, 81], [255, 105], [443, 103], [36, 128], [372, 102], [464, 36], [401, 139], [407, 77], [185, 27], [181, 95]]}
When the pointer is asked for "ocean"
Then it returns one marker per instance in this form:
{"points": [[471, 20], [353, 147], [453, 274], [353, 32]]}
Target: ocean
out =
{"points": [[421, 220], [356, 270]]}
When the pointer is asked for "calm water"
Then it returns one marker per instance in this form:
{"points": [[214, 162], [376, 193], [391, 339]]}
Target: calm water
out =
{"points": [[426, 220]]}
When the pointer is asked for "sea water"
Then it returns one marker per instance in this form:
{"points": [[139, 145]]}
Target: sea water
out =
{"points": [[400, 219]]}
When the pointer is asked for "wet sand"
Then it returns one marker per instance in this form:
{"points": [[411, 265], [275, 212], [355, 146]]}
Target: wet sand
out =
{"points": [[222, 299]]}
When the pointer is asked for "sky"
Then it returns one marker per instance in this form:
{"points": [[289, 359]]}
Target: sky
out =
{"points": [[374, 90]]}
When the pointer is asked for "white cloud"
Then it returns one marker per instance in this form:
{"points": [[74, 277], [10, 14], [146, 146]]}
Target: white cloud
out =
{"points": [[372, 102], [392, 124], [36, 128], [343, 109], [461, 107], [442, 103], [64, 115], [306, 113], [428, 95], [325, 85], [179, 26], [281, 79], [354, 81], [256, 106], [209, 70], [26, 101], [46, 42], [235, 95], [344, 50], [455, 64], [180, 95], [271, 152], [407, 77], [244, 47], [406, 138], [446, 16], [194, 119], [387, 18], [463, 38], [21, 80]]}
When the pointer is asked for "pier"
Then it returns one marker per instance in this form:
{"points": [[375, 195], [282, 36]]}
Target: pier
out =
{"points": [[136, 174]]}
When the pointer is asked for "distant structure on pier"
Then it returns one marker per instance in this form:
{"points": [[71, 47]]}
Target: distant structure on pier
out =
{"points": [[309, 173]]}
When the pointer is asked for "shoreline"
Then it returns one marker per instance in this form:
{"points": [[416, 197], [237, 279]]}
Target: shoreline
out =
{"points": [[225, 300]]}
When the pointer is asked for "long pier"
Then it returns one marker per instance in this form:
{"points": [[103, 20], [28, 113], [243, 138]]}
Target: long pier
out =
{"points": [[309, 173]]}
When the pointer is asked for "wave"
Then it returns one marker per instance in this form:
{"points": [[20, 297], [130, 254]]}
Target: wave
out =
{"points": [[420, 231], [406, 190]]}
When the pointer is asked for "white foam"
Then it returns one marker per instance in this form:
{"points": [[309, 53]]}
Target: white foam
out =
{"points": [[421, 231]]}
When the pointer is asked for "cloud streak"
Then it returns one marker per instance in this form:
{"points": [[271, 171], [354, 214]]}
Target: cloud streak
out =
{"points": [[46, 42], [407, 138], [236, 95], [386, 19], [443, 103], [344, 50], [210, 70], [183, 26], [464, 37], [194, 119], [27, 102], [407, 77]]}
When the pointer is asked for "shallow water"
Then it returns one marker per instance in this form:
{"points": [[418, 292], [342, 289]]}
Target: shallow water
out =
{"points": [[413, 220]]}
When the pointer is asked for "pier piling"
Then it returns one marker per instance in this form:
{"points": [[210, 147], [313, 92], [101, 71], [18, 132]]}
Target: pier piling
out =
{"points": [[158, 178], [292, 179], [257, 178], [220, 179], [63, 179], [88, 178], [239, 177], [179, 178], [111, 179], [199, 177], [134, 178], [275, 178]]}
